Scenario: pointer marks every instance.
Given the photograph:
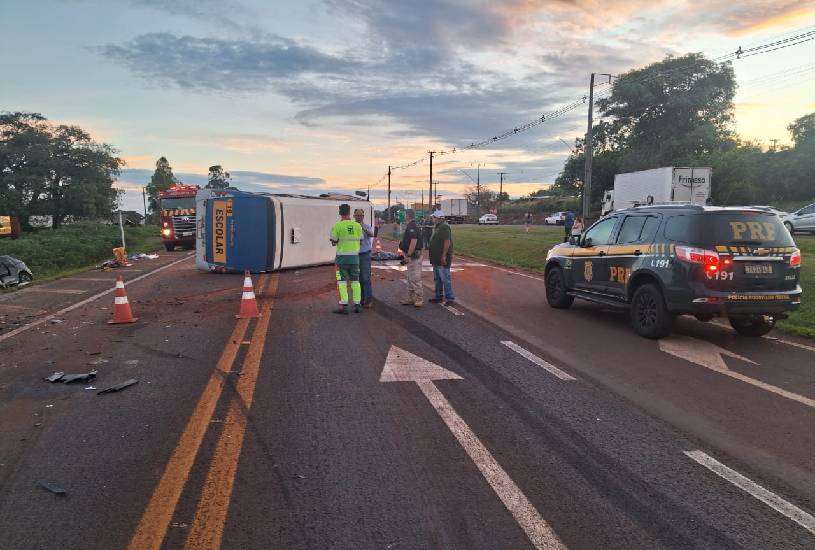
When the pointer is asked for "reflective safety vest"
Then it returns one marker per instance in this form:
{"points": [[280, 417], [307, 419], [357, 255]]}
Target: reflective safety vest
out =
{"points": [[347, 234]]}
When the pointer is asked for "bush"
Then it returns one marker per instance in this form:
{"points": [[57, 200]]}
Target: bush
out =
{"points": [[51, 252]]}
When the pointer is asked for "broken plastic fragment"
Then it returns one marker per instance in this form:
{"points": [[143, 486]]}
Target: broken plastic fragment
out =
{"points": [[119, 387], [56, 377], [70, 378], [47, 485]]}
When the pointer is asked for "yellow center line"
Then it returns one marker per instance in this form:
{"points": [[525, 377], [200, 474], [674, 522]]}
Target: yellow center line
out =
{"points": [[156, 518], [207, 526]]}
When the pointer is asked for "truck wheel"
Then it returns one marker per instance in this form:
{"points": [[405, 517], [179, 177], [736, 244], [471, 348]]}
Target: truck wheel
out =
{"points": [[649, 314], [752, 325], [169, 246], [556, 294], [25, 278]]}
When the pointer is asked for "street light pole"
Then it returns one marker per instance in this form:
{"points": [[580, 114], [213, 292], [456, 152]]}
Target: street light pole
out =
{"points": [[389, 195], [588, 149]]}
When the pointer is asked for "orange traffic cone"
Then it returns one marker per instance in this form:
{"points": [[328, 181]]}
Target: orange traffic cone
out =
{"points": [[378, 245], [121, 307], [249, 306]]}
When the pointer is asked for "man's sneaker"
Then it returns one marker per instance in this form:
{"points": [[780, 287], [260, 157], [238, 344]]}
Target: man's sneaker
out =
{"points": [[418, 304], [408, 303], [436, 300], [357, 308], [342, 310], [451, 302]]}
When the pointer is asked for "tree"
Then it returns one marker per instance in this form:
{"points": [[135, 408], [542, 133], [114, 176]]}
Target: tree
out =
{"points": [[502, 196], [54, 170], [218, 178], [803, 129], [161, 180], [669, 112], [484, 200]]}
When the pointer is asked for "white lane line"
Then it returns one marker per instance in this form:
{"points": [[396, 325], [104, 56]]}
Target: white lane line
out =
{"points": [[72, 307], [452, 310], [802, 518], [56, 290], [769, 387], [97, 279], [538, 361], [516, 273], [789, 343], [540, 533]]}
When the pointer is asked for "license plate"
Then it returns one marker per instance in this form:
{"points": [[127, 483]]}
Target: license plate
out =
{"points": [[758, 269], [187, 233]]}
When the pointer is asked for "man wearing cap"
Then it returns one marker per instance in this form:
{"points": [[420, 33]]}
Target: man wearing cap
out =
{"points": [[365, 258], [441, 256], [346, 236]]}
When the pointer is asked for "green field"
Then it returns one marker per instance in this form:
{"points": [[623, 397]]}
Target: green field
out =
{"points": [[51, 254], [510, 245]]}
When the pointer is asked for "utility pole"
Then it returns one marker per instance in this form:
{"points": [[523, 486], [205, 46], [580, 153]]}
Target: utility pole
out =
{"points": [[478, 191], [422, 203], [369, 193], [589, 148], [389, 195], [774, 144], [501, 189], [144, 200], [431, 173]]}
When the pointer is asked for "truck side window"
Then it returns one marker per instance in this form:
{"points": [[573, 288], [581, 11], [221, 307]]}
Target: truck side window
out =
{"points": [[631, 229], [600, 233], [649, 229], [681, 229]]}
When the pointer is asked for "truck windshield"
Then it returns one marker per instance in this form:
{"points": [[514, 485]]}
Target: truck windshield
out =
{"points": [[746, 229], [177, 203]]}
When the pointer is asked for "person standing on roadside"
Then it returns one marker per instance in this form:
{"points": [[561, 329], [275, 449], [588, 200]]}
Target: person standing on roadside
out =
{"points": [[427, 229], [346, 236], [527, 221], [577, 227], [377, 223], [441, 257], [568, 222], [411, 247], [365, 258]]}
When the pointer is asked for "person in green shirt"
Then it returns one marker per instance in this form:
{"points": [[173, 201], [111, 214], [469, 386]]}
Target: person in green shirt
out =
{"points": [[346, 235], [441, 257]]}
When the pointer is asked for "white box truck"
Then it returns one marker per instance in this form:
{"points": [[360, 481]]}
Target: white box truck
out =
{"points": [[455, 210], [658, 186]]}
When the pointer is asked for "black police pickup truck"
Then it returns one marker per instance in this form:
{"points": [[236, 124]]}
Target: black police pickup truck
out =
{"points": [[664, 261]]}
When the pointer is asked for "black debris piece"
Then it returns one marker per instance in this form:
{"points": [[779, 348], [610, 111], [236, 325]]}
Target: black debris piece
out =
{"points": [[119, 387], [383, 256], [70, 378], [56, 377], [48, 486]]}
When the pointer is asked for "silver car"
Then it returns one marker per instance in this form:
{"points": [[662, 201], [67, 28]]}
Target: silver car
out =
{"points": [[14, 272], [802, 220]]}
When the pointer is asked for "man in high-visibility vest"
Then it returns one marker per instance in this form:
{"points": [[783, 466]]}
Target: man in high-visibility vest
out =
{"points": [[346, 235]]}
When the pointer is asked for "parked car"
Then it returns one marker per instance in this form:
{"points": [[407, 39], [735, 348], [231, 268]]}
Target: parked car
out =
{"points": [[14, 272], [802, 220], [659, 262], [488, 219], [558, 218], [780, 213]]}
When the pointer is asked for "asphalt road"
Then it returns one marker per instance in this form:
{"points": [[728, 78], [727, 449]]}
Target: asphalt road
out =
{"points": [[498, 423]]}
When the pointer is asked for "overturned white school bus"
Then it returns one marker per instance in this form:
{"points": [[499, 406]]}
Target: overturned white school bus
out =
{"points": [[240, 231]]}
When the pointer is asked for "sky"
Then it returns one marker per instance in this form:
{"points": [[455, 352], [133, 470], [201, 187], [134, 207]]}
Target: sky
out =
{"points": [[323, 95]]}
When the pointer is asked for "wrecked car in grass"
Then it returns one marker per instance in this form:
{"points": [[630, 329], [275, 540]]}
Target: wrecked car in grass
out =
{"points": [[14, 272]]}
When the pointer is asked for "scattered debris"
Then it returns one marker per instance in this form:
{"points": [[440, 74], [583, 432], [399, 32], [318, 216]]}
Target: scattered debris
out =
{"points": [[57, 321], [84, 377], [94, 353], [119, 387], [179, 525], [246, 342], [299, 476], [49, 406], [56, 377], [98, 361], [382, 256], [56, 489], [91, 388], [132, 362]]}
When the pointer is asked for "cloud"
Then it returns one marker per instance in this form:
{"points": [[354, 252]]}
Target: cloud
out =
{"points": [[214, 64], [242, 179]]}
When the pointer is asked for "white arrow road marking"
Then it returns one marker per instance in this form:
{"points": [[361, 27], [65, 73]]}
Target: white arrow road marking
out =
{"points": [[709, 356], [804, 519], [538, 361], [403, 366]]}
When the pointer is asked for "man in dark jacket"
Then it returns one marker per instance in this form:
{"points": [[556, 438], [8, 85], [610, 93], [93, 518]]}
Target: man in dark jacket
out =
{"points": [[441, 257]]}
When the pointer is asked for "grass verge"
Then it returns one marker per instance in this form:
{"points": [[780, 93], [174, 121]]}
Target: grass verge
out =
{"points": [[52, 254], [512, 246]]}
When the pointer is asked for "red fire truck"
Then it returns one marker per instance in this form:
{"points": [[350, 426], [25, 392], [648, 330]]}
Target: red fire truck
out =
{"points": [[177, 212]]}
